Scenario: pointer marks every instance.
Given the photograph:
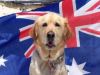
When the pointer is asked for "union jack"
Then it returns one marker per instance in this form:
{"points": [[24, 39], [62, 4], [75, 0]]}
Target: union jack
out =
{"points": [[77, 19]]}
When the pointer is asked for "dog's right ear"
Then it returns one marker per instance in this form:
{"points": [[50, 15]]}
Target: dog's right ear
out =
{"points": [[68, 31], [33, 31]]}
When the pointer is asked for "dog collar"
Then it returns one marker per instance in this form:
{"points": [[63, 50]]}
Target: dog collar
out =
{"points": [[53, 64]]}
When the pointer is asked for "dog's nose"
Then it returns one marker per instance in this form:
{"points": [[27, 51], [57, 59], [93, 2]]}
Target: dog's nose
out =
{"points": [[50, 36]]}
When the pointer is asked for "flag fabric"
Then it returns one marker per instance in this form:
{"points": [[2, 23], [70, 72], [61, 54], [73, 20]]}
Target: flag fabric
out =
{"points": [[82, 52]]}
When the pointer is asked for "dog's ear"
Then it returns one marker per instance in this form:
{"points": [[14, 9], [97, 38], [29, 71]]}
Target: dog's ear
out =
{"points": [[33, 31], [67, 30]]}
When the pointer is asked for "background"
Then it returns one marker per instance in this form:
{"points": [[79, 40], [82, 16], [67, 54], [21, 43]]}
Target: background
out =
{"points": [[82, 50]]}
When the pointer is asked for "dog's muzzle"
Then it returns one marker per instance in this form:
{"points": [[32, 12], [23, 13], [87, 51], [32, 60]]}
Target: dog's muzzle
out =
{"points": [[50, 39], [50, 36]]}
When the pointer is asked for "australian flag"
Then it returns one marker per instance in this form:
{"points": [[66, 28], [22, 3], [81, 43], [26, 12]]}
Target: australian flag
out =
{"points": [[82, 50]]}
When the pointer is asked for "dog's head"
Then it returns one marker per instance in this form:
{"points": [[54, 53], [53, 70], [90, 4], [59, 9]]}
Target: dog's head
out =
{"points": [[50, 33]]}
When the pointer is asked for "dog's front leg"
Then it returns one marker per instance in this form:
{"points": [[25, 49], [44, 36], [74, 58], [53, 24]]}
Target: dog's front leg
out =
{"points": [[61, 70], [34, 69]]}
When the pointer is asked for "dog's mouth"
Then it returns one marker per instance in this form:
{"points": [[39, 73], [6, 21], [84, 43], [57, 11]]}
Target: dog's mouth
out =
{"points": [[50, 44]]}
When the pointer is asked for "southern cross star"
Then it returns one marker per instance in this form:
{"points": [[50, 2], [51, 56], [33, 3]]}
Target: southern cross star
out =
{"points": [[2, 61], [76, 69]]}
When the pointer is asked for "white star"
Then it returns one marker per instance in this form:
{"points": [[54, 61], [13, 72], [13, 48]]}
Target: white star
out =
{"points": [[2, 61], [76, 69]]}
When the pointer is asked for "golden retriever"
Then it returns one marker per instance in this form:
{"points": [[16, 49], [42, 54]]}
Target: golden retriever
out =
{"points": [[50, 33]]}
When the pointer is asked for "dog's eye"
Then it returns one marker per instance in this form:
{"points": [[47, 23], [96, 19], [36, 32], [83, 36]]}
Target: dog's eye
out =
{"points": [[44, 25], [57, 24]]}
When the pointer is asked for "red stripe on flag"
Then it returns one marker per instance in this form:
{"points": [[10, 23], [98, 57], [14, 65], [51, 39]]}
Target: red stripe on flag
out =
{"points": [[30, 51], [91, 31], [30, 13], [85, 20], [93, 7], [69, 14], [24, 33]]}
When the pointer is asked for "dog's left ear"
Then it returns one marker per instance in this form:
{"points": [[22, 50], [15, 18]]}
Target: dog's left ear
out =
{"points": [[33, 31], [67, 30]]}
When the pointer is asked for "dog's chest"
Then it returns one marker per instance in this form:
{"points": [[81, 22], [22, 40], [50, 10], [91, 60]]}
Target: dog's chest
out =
{"points": [[48, 67], [51, 67]]}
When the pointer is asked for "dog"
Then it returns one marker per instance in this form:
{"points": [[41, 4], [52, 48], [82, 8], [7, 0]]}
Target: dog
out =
{"points": [[49, 33]]}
